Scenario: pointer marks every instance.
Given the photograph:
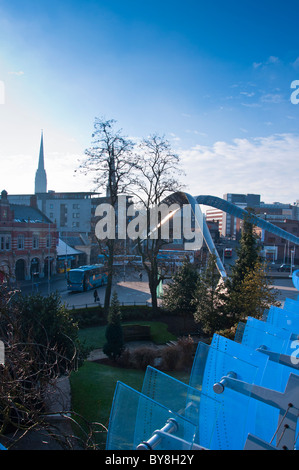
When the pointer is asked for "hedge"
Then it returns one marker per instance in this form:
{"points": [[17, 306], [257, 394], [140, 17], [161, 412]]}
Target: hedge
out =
{"points": [[94, 316]]}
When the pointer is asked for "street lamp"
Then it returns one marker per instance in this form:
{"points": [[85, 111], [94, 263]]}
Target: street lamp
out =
{"points": [[273, 262], [292, 262]]}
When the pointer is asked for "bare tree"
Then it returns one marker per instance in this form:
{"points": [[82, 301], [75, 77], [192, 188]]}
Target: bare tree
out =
{"points": [[158, 168], [110, 160]]}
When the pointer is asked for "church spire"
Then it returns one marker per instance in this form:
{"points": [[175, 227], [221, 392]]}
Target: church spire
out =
{"points": [[40, 175]]}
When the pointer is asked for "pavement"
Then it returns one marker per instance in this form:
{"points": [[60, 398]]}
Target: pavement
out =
{"points": [[130, 290]]}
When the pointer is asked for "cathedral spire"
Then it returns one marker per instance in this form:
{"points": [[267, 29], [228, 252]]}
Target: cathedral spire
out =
{"points": [[40, 175]]}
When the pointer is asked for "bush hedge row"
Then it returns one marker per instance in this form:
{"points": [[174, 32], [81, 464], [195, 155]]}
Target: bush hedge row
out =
{"points": [[94, 316]]}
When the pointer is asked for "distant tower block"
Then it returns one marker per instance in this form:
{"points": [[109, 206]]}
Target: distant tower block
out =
{"points": [[40, 175]]}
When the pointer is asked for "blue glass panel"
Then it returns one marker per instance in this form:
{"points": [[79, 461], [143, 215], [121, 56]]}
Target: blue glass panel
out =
{"points": [[242, 414], [295, 279], [239, 332], [134, 418], [276, 340], [198, 366], [184, 400], [237, 413], [291, 305], [257, 333], [283, 319]]}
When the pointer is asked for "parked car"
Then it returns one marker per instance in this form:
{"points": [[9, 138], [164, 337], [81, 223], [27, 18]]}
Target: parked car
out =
{"points": [[285, 268]]}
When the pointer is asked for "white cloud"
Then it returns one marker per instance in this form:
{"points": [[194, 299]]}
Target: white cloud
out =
{"points": [[246, 93], [19, 73], [18, 173], [272, 98], [267, 166], [271, 60], [296, 63], [252, 105]]}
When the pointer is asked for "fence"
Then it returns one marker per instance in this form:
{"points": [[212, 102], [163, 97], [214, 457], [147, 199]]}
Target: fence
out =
{"points": [[94, 304]]}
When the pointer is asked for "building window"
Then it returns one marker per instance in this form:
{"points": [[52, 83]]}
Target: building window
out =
{"points": [[76, 224], [5, 242], [35, 242], [76, 206], [21, 242], [76, 215], [48, 241]]}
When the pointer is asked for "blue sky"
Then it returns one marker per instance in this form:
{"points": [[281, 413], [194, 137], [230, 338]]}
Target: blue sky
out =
{"points": [[214, 77]]}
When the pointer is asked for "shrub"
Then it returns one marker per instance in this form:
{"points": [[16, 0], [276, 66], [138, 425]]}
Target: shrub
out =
{"points": [[169, 358], [114, 345], [178, 356], [143, 357], [88, 316], [125, 358]]}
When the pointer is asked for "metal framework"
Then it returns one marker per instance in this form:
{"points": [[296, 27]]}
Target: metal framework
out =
{"points": [[183, 198], [243, 394], [236, 211]]}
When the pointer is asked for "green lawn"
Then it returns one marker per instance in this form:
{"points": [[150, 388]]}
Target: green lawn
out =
{"points": [[93, 386], [93, 389], [94, 337]]}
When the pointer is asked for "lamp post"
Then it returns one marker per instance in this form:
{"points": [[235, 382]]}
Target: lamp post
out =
{"points": [[292, 262]]}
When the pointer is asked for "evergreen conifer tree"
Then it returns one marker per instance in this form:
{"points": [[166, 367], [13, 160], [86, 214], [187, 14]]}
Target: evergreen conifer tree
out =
{"points": [[179, 294], [245, 265], [114, 333], [256, 293], [207, 299]]}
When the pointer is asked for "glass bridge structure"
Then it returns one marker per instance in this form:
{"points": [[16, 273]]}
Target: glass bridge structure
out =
{"points": [[243, 394], [182, 198]]}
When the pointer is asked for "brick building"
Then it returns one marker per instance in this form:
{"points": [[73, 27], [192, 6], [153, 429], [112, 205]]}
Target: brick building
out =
{"points": [[28, 241], [277, 249]]}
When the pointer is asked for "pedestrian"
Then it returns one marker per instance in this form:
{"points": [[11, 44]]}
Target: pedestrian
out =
{"points": [[140, 276], [96, 296]]}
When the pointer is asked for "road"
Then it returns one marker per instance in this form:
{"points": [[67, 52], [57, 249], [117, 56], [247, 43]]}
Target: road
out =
{"points": [[130, 290], [285, 288]]}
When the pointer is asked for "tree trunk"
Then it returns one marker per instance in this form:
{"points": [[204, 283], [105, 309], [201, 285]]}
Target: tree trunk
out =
{"points": [[108, 292], [153, 284]]}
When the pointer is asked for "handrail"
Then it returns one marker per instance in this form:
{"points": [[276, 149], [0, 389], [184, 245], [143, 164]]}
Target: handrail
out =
{"points": [[170, 427]]}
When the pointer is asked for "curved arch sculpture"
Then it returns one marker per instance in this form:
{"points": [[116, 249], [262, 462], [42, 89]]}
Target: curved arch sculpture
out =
{"points": [[236, 211], [183, 198]]}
